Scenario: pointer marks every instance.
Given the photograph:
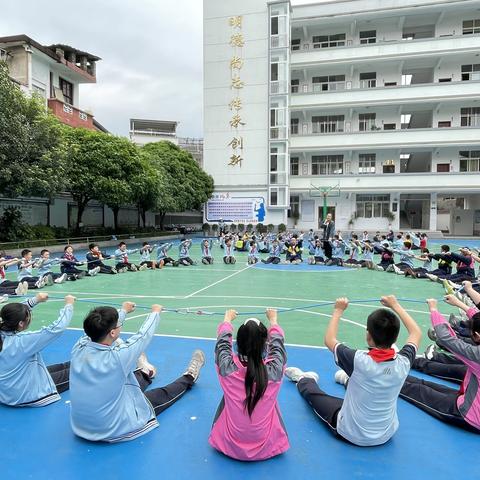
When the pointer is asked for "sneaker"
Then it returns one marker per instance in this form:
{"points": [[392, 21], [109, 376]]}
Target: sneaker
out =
{"points": [[93, 272], [81, 275], [61, 278], [133, 268], [196, 363], [432, 335], [454, 321], [390, 268], [341, 377], [431, 277], [397, 270], [143, 267], [448, 288], [25, 287], [295, 374], [429, 351], [18, 291], [379, 268], [145, 366], [114, 271], [4, 298], [48, 280]]}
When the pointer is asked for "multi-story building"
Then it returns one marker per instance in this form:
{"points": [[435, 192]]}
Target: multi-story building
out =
{"points": [[369, 106], [143, 131], [55, 73]]}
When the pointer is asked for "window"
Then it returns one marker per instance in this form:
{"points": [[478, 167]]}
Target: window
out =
{"points": [[373, 206], [389, 166], [274, 26], [471, 72], [366, 121], [274, 72], [296, 44], [367, 163], [273, 159], [327, 164], [407, 79], [67, 90], [470, 117], [471, 26], [295, 84], [294, 210], [444, 124], [294, 123], [273, 197], [294, 162], [390, 84], [470, 161], [389, 126], [368, 36], [405, 120], [329, 41], [330, 82], [328, 124], [368, 80], [443, 167]]}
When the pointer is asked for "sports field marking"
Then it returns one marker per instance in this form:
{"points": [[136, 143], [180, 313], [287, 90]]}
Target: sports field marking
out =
{"points": [[218, 281]]}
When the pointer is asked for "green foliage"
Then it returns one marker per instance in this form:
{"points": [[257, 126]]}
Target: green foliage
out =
{"points": [[12, 227], [31, 149], [215, 228], [42, 232], [282, 228], [249, 227], [241, 227], [206, 228], [270, 227], [259, 227], [232, 228]]}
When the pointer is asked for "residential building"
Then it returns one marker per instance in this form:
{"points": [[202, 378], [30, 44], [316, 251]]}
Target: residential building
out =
{"points": [[371, 105]]}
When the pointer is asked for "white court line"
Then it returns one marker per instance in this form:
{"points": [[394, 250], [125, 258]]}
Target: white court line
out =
{"points": [[218, 281], [187, 337]]}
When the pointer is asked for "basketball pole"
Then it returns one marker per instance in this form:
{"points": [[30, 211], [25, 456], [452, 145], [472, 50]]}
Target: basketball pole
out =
{"points": [[324, 205]]}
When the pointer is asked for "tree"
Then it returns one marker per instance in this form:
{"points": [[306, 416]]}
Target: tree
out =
{"points": [[183, 185], [31, 147]]}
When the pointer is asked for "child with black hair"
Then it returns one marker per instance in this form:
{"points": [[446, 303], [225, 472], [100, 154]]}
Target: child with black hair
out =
{"points": [[367, 258], [123, 265], [25, 380], [25, 270], [386, 258], [248, 425], [207, 247], [162, 256], [274, 254], [8, 287], [465, 261], [253, 256], [95, 260], [368, 414], [456, 407], [338, 251], [406, 259], [184, 254], [228, 253], [317, 255], [355, 253], [294, 251], [70, 263], [145, 256], [108, 398], [421, 272], [45, 264]]}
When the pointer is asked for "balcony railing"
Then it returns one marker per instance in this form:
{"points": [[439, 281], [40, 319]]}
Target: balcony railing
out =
{"points": [[317, 128], [279, 41], [278, 87]]}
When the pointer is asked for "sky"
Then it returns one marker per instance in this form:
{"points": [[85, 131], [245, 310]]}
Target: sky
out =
{"points": [[151, 52]]}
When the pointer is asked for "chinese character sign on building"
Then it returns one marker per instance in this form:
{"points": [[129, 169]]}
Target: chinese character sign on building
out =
{"points": [[237, 43]]}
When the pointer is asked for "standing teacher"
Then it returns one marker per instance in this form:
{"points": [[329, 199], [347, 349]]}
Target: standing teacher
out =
{"points": [[328, 233]]}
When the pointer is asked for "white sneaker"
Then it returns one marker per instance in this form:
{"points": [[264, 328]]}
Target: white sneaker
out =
{"points": [[143, 267], [18, 290], [61, 278], [379, 268], [145, 366], [295, 374], [341, 377], [397, 270], [196, 363], [25, 287], [93, 271], [47, 280], [4, 298], [429, 351], [432, 278], [390, 268]]}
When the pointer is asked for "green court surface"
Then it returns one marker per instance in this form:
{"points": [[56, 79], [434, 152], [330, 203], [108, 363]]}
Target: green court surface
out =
{"points": [[247, 289]]}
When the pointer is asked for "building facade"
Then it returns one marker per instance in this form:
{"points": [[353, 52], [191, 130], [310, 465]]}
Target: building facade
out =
{"points": [[53, 72], [368, 109]]}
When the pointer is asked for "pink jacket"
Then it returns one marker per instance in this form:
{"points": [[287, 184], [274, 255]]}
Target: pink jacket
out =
{"points": [[234, 433], [468, 401]]}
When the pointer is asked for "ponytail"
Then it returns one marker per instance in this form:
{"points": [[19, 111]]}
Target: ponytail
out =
{"points": [[251, 339]]}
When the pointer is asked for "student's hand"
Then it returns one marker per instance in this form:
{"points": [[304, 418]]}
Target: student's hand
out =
{"points": [[41, 297], [389, 301], [451, 300], [341, 304], [69, 299], [272, 316], [467, 284], [432, 303], [156, 308], [230, 316], [128, 306]]}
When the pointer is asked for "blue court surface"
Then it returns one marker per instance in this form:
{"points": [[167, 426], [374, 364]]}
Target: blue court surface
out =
{"points": [[39, 444]]}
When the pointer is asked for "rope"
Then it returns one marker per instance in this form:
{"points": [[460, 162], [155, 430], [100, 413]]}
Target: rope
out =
{"points": [[190, 311]]}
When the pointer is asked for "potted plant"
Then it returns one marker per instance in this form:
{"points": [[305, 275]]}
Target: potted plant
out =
{"points": [[282, 228], [390, 216], [215, 229], [206, 229], [270, 227], [240, 227], [249, 227], [259, 227]]}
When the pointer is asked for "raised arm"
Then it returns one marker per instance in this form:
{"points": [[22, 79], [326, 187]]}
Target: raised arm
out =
{"points": [[277, 355], [223, 347], [473, 294], [330, 339], [414, 332]]}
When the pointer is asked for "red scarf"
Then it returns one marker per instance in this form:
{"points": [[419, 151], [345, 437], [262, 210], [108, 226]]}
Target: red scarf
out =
{"points": [[2, 272], [382, 354]]}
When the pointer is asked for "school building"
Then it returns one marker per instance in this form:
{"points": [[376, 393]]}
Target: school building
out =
{"points": [[372, 106]]}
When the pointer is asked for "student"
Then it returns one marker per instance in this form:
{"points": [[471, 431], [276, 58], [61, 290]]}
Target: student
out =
{"points": [[367, 260], [123, 265], [25, 271], [294, 252], [338, 251], [228, 254], [45, 264], [456, 407], [423, 241], [207, 246], [317, 254], [145, 256], [406, 259], [8, 287], [248, 425], [465, 266], [253, 256], [421, 272], [386, 258], [108, 402], [444, 267], [25, 380], [70, 263], [355, 252], [95, 260], [365, 236], [184, 254], [162, 256], [368, 414], [274, 254]]}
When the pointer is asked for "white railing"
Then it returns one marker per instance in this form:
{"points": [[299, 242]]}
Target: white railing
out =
{"points": [[317, 128], [372, 83], [279, 41], [278, 87]]}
